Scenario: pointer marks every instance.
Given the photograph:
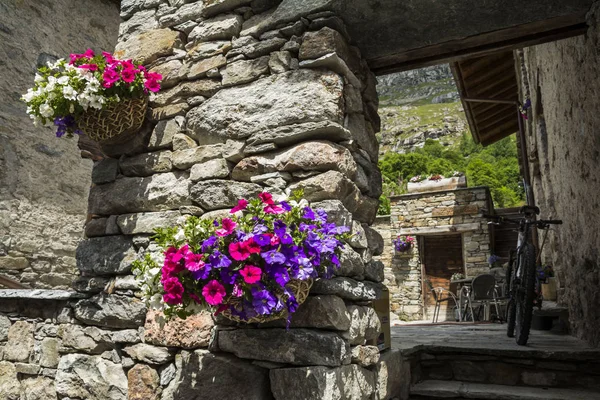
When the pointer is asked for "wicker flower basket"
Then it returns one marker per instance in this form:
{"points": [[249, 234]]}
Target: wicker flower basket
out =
{"points": [[116, 123], [298, 287]]}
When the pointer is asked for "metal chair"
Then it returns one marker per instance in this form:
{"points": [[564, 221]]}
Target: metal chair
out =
{"points": [[483, 292], [438, 294]]}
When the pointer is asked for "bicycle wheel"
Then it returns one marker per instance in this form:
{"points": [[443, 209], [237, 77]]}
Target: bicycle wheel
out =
{"points": [[510, 306], [525, 295]]}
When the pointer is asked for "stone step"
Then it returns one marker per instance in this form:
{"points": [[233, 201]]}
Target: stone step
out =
{"points": [[434, 389]]}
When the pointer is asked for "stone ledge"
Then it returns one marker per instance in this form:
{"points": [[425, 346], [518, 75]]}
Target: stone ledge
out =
{"points": [[40, 294]]}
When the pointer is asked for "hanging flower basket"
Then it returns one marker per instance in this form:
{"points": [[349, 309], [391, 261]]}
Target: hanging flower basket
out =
{"points": [[254, 267], [99, 95], [298, 288], [115, 123], [403, 244]]}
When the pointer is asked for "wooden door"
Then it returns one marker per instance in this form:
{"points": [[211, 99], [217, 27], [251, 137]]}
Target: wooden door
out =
{"points": [[442, 257]]}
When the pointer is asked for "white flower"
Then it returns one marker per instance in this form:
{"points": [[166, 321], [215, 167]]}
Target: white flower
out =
{"points": [[180, 235], [63, 80], [156, 302], [29, 95], [46, 110], [38, 78], [69, 93]]}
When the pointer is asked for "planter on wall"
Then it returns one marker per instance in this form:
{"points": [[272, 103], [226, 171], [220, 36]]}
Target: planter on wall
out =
{"points": [[434, 186]]}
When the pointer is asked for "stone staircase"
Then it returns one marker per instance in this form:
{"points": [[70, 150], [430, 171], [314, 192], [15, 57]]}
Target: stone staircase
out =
{"points": [[480, 362]]}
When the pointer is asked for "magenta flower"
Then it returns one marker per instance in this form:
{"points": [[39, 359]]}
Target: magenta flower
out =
{"points": [[227, 227], [128, 75], [273, 209], [266, 197], [108, 57], [152, 85], [238, 251], [90, 67], [194, 262], [237, 290], [251, 274], [110, 76], [241, 205], [89, 53], [173, 291], [214, 293]]}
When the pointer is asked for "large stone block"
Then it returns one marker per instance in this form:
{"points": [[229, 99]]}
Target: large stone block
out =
{"points": [[294, 346], [105, 255], [203, 375], [147, 47], [111, 311], [336, 212], [214, 7], [270, 103], [365, 324], [86, 339], [105, 171], [365, 356], [4, 327], [359, 238], [223, 27], [291, 134], [308, 156], [184, 159], [374, 271], [133, 224], [185, 12], [91, 378], [392, 376], [214, 169], [20, 342], [351, 264], [143, 383], [147, 164], [10, 387], [38, 388], [326, 41], [183, 92], [245, 71], [158, 192], [374, 239], [220, 194], [349, 382], [348, 288], [148, 354], [319, 312], [190, 333]]}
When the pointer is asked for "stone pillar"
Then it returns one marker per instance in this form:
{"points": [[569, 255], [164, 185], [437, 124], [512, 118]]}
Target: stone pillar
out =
{"points": [[254, 99]]}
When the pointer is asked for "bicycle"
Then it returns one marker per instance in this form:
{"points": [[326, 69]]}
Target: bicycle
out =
{"points": [[522, 283]]}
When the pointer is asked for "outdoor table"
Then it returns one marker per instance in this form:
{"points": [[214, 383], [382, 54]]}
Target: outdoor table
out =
{"points": [[461, 301]]}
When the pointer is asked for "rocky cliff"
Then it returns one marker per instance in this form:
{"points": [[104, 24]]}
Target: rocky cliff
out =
{"points": [[418, 105]]}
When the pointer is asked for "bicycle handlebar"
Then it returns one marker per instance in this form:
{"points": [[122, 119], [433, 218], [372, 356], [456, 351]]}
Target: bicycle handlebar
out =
{"points": [[551, 221]]}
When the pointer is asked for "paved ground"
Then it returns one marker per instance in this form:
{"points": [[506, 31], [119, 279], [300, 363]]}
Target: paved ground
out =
{"points": [[487, 338]]}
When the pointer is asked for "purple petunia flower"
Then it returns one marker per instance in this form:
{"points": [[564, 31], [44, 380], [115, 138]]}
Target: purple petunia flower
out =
{"points": [[262, 240], [209, 243], [218, 260], [273, 257], [259, 228], [285, 205], [322, 215], [263, 301], [309, 213]]}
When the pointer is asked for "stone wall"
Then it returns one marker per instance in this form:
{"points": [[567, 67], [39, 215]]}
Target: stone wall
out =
{"points": [[435, 213], [564, 149], [254, 99], [44, 183]]}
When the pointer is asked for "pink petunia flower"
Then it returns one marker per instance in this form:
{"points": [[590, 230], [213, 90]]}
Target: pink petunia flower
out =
{"points": [[90, 67], [128, 75], [238, 251], [152, 75], [237, 290], [266, 197], [241, 205], [173, 291], [89, 53], [252, 246], [194, 262], [110, 76], [273, 209], [251, 274], [108, 57], [214, 293], [227, 227], [152, 85]]}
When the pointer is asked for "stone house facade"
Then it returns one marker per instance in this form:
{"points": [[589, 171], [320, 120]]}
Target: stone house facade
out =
{"points": [[430, 217]]}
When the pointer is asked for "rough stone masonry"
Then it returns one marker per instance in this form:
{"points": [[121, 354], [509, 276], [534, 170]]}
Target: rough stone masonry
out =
{"points": [[257, 96]]}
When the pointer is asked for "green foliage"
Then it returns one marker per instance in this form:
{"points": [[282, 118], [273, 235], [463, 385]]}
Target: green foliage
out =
{"points": [[495, 166]]}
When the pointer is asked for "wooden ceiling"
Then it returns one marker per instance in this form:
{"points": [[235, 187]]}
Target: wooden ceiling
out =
{"points": [[489, 91]]}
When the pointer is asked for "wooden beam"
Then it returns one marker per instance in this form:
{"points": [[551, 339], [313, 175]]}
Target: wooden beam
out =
{"points": [[513, 38], [11, 283]]}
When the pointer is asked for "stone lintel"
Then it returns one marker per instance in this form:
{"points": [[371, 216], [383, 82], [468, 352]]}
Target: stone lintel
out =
{"points": [[440, 230]]}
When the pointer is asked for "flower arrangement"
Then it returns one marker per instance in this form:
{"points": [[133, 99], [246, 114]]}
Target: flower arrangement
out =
{"points": [[494, 261], [244, 266], [436, 177], [457, 276], [403, 243], [544, 272], [64, 90], [418, 178]]}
